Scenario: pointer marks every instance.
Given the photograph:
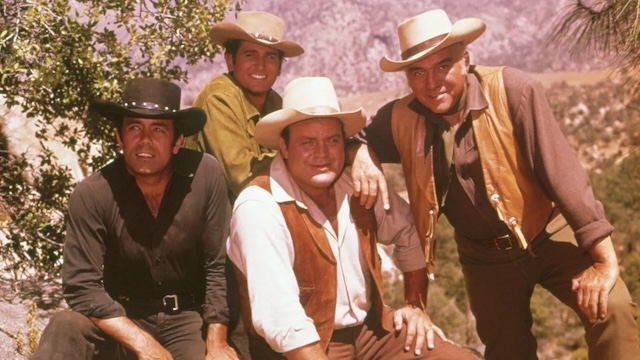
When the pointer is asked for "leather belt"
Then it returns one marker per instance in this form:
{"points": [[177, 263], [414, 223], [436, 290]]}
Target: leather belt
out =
{"points": [[502, 242], [172, 303]]}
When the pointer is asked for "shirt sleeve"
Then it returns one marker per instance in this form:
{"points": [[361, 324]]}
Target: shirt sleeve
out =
{"points": [[226, 135], [84, 252], [396, 226], [378, 136], [260, 246], [554, 162], [214, 239]]}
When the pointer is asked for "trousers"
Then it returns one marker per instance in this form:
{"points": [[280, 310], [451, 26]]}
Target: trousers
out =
{"points": [[70, 335], [500, 284]]}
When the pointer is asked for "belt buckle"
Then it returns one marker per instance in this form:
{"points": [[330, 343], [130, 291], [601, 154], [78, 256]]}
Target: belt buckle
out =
{"points": [[167, 299], [497, 241]]}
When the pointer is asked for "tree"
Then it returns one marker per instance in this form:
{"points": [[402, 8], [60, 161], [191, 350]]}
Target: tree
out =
{"points": [[55, 57], [608, 27]]}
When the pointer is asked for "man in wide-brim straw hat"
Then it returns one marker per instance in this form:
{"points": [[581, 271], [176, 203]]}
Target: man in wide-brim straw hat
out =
{"points": [[481, 145], [254, 50], [145, 246], [305, 249]]}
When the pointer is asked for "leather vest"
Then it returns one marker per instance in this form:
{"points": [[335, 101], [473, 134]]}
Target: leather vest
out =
{"points": [[510, 183], [315, 266]]}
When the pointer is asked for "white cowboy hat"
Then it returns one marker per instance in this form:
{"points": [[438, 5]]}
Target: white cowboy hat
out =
{"points": [[429, 32], [151, 98], [306, 98], [256, 26]]}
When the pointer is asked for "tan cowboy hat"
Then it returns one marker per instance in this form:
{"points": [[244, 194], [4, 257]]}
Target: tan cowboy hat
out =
{"points": [[256, 26], [306, 98], [151, 99], [429, 32]]}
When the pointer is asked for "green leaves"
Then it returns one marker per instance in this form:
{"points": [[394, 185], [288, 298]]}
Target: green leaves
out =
{"points": [[57, 56]]}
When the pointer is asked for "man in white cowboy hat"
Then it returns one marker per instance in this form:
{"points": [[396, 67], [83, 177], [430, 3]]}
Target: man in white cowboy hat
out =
{"points": [[145, 249], [305, 249], [481, 145], [235, 101]]}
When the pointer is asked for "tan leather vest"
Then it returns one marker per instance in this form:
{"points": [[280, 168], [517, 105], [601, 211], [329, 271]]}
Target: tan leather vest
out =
{"points": [[510, 183], [315, 266]]}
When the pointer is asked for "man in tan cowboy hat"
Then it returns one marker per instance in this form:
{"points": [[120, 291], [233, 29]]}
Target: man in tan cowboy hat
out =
{"points": [[481, 145], [305, 249], [144, 254], [234, 102]]}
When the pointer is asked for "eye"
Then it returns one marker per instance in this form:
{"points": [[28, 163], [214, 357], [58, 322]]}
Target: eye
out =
{"points": [[417, 73], [335, 140]]}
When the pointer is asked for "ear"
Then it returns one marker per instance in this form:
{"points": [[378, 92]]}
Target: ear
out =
{"points": [[119, 139], [178, 144], [228, 58], [283, 148], [467, 59]]}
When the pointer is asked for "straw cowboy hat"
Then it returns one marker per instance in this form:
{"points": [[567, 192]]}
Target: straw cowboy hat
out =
{"points": [[306, 98], [429, 32], [151, 99], [256, 26]]}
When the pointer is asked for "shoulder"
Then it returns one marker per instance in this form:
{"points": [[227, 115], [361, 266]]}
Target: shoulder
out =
{"points": [[220, 87]]}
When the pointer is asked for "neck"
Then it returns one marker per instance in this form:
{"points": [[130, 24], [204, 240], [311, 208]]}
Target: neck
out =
{"points": [[455, 119], [153, 189]]}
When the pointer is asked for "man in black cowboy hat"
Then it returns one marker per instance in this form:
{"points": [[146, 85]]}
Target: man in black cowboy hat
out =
{"points": [[235, 101], [144, 255], [481, 145]]}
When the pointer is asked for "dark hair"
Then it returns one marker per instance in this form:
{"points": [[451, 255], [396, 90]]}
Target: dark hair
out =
{"points": [[177, 130], [231, 47]]}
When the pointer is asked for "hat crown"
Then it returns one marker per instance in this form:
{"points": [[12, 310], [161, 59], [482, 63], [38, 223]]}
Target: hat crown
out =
{"points": [[152, 94], [313, 95], [261, 25], [430, 25]]}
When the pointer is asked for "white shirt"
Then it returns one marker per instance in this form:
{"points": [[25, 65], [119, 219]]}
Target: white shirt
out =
{"points": [[261, 247]]}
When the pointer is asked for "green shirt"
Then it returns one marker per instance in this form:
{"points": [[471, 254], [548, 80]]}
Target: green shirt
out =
{"points": [[228, 132]]}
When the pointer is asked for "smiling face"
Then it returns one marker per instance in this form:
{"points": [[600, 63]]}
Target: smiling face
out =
{"points": [[255, 67], [148, 146], [437, 81], [314, 153]]}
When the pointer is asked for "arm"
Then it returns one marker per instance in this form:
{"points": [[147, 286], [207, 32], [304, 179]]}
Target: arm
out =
{"points": [[568, 185], [125, 332], [217, 346], [228, 135], [216, 232], [260, 246], [362, 153]]}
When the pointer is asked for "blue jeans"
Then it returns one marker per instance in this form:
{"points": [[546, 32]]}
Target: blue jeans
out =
{"points": [[70, 335]]}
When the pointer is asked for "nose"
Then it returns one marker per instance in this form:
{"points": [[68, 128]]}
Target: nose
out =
{"points": [[322, 149], [433, 82]]}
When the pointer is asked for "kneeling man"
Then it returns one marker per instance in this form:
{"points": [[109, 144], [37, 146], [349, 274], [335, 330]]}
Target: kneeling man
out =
{"points": [[305, 250]]}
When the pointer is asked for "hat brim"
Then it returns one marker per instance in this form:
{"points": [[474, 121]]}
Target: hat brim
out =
{"points": [[223, 31], [268, 130], [190, 121], [464, 31]]}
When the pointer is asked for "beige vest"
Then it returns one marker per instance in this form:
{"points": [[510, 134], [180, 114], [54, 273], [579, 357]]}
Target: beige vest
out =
{"points": [[510, 183], [315, 266]]}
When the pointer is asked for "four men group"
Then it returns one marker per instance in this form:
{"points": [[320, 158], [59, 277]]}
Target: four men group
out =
{"points": [[148, 235]]}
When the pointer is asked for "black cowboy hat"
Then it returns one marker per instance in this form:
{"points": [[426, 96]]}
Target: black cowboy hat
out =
{"points": [[152, 99]]}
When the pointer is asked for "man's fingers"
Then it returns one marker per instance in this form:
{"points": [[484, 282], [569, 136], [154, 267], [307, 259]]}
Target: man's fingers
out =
{"points": [[397, 320], [384, 193]]}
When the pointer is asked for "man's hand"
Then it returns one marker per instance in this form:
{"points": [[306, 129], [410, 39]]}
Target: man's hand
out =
{"points": [[368, 178], [127, 333], [419, 328], [217, 346], [592, 286]]}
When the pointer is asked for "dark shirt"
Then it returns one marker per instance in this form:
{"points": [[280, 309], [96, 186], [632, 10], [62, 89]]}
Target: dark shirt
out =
{"points": [[543, 146], [115, 247]]}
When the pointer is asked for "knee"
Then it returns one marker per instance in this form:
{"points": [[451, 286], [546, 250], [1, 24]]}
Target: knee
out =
{"points": [[68, 322]]}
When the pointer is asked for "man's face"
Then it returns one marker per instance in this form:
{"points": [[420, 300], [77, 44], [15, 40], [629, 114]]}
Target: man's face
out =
{"points": [[148, 146], [315, 154], [437, 81], [255, 67]]}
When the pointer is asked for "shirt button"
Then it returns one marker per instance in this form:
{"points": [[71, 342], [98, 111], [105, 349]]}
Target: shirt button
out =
{"points": [[159, 283], [158, 260]]}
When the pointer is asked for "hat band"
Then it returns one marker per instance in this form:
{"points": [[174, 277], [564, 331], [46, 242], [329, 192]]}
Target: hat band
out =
{"points": [[319, 110], [148, 106], [265, 37], [422, 46]]}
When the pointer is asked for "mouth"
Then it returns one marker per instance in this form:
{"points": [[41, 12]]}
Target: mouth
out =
{"points": [[145, 155], [258, 77]]}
